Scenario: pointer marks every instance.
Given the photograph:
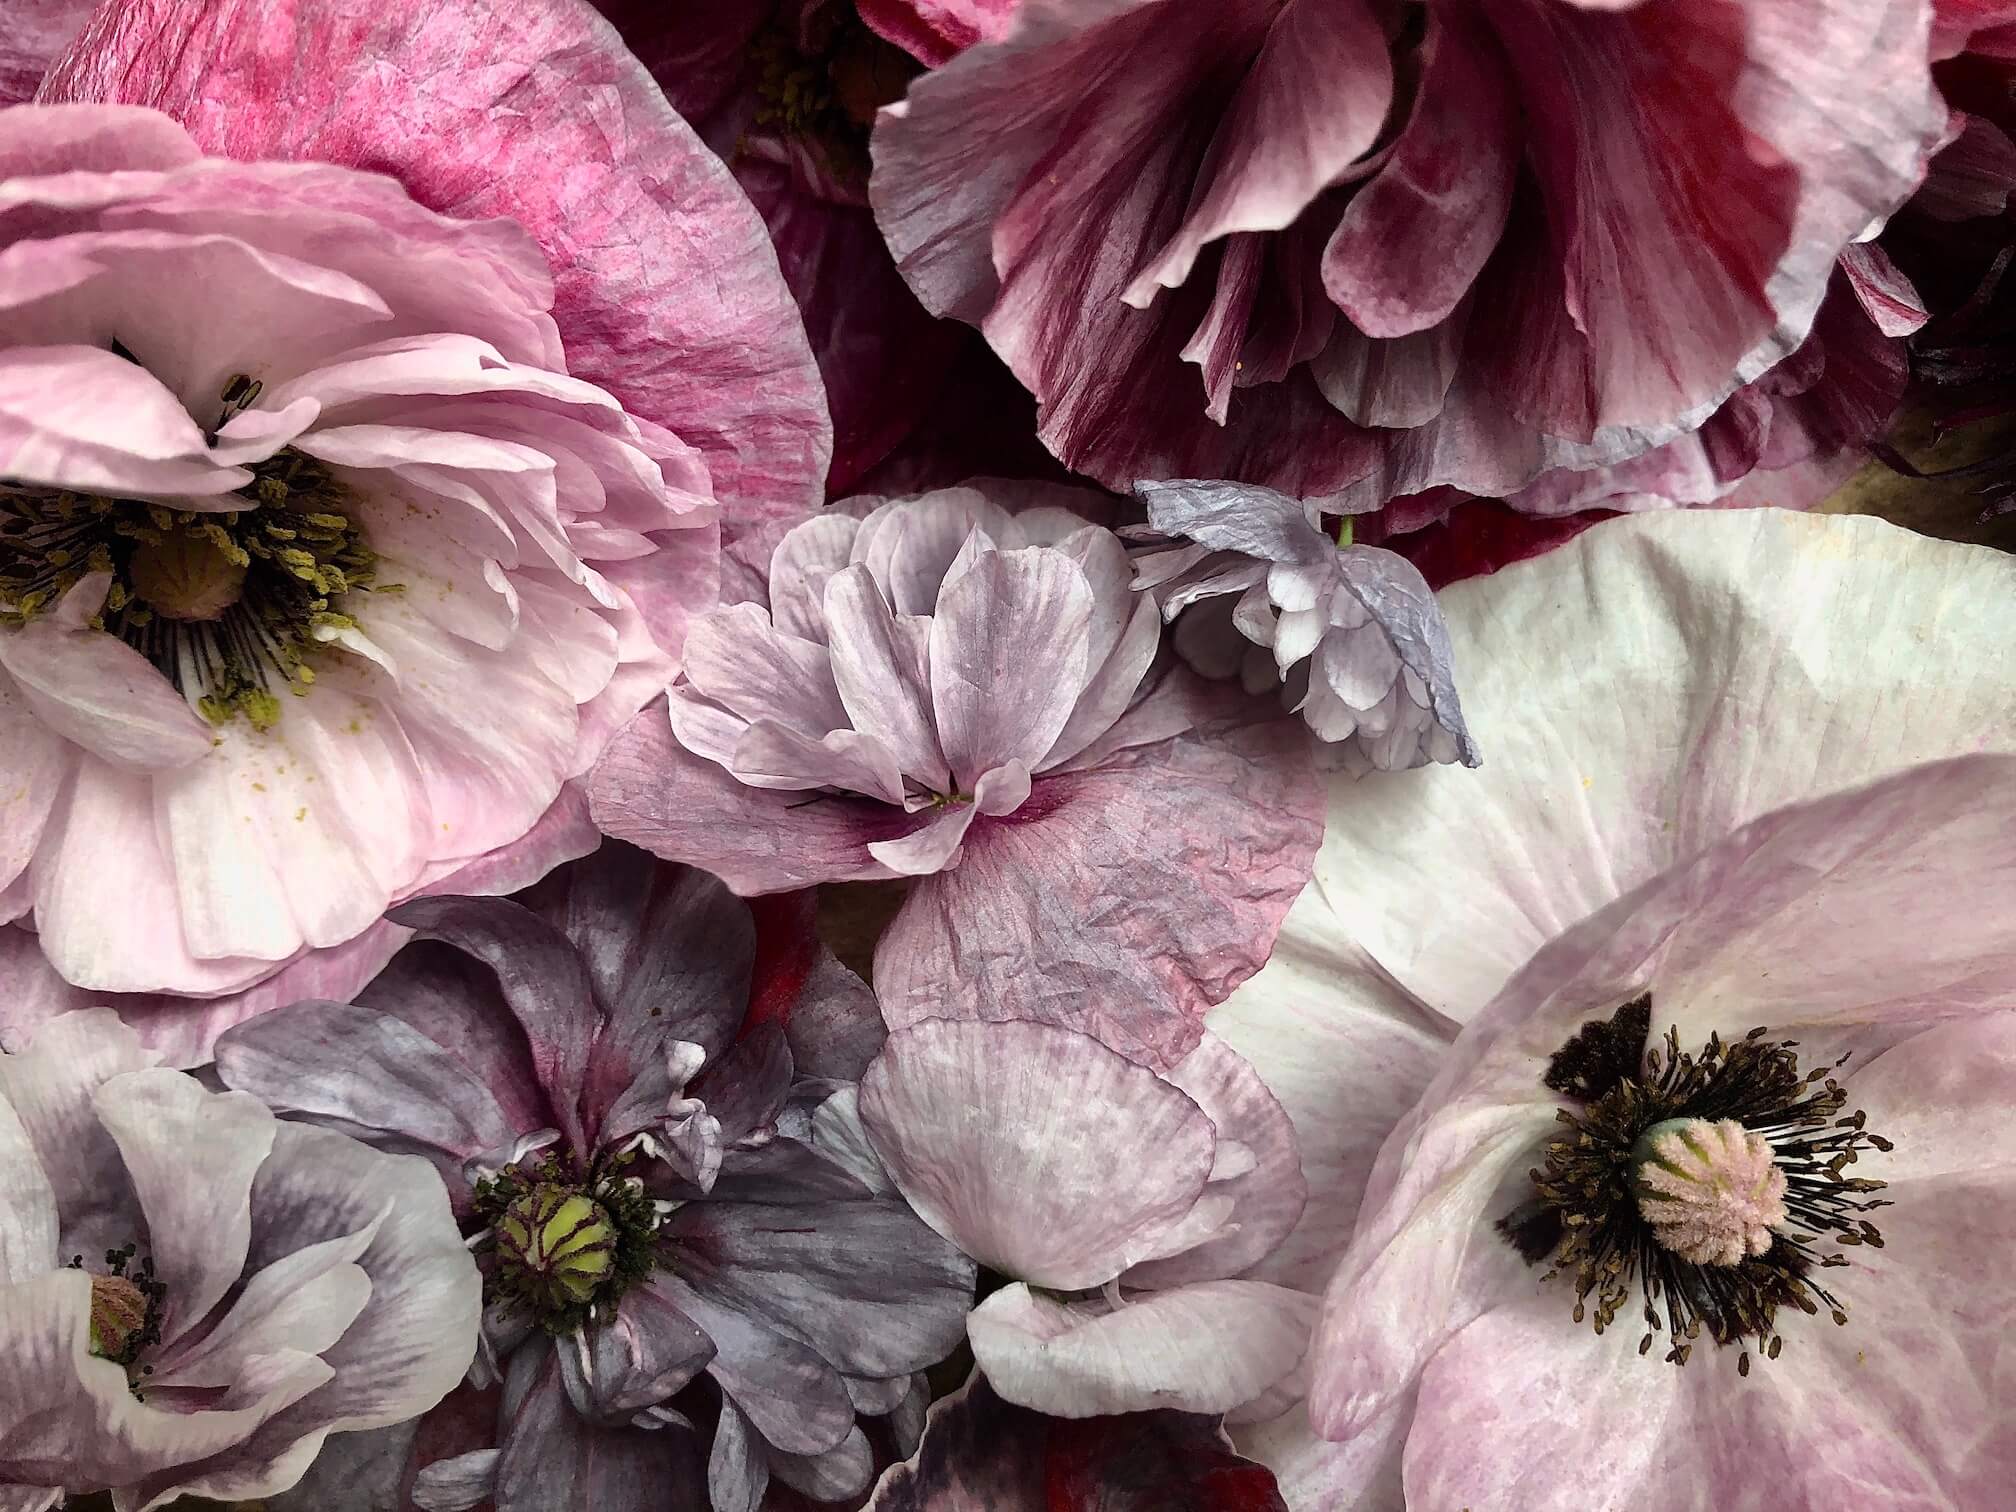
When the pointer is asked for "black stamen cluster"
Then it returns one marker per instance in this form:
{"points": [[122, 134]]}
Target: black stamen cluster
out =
{"points": [[1584, 1213]]}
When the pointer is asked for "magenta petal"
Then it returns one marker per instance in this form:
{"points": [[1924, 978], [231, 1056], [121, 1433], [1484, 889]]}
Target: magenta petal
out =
{"points": [[552, 123], [1412, 241], [33, 33], [931, 31], [1037, 1150], [1311, 105], [1037, 920]]}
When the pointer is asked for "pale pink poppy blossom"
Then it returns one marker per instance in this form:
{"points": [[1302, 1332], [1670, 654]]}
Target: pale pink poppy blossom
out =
{"points": [[194, 1294], [1747, 806], [1354, 249], [1123, 1206], [971, 697], [382, 549]]}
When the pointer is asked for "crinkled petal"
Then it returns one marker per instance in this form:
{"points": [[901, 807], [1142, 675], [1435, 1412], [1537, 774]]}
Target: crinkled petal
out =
{"points": [[1725, 709], [649, 790], [707, 342], [1112, 901]]}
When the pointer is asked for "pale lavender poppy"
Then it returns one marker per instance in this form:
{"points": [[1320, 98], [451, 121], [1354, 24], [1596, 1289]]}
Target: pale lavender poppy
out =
{"points": [[1357, 248], [1124, 1206], [683, 1289], [970, 697], [1743, 799], [1354, 631], [194, 1295]]}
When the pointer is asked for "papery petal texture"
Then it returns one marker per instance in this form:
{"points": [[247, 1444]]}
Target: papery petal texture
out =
{"points": [[629, 1059], [969, 687], [472, 362], [1582, 229], [1749, 801]]}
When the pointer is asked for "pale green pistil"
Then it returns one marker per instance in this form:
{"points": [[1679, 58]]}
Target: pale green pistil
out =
{"points": [[556, 1248]]}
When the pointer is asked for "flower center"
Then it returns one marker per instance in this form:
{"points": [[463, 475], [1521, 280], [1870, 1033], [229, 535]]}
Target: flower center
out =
{"points": [[1711, 1184], [821, 81], [229, 605], [557, 1247], [125, 1307], [1711, 1191], [563, 1249]]}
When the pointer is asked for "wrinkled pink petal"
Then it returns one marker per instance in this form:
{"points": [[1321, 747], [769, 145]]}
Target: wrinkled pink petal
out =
{"points": [[1108, 901]]}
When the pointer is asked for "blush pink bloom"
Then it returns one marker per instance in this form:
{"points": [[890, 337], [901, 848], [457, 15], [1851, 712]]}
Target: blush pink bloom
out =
{"points": [[1746, 784], [949, 692], [504, 391], [1387, 248], [194, 1294], [1123, 1206]]}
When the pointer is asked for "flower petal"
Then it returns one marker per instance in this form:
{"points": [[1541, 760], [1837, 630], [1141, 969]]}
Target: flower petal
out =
{"points": [[707, 342], [198, 1232], [649, 790], [799, 1266], [1042, 919], [1036, 1150], [1208, 1347], [97, 692], [1650, 757], [880, 662], [1268, 1197]]}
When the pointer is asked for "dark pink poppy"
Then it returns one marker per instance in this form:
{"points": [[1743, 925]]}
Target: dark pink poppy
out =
{"points": [[1470, 243]]}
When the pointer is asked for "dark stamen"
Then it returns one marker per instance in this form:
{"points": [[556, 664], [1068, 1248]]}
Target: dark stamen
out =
{"points": [[1586, 1217]]}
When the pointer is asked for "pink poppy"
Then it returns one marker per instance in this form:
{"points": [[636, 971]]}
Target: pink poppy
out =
{"points": [[1470, 243], [950, 692], [1123, 1206], [1744, 800], [447, 468], [194, 1294]]}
